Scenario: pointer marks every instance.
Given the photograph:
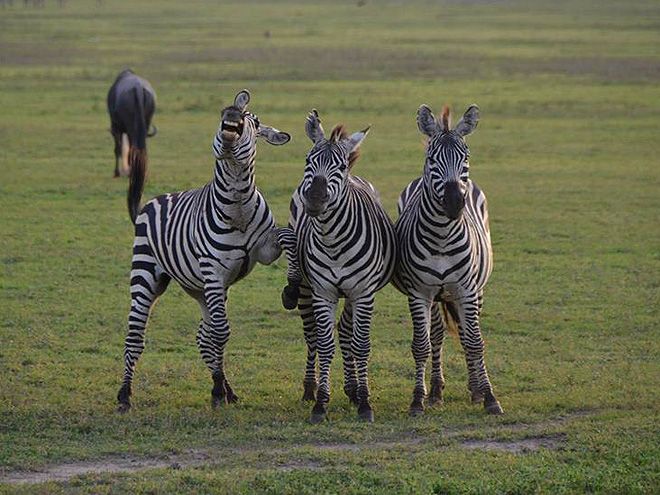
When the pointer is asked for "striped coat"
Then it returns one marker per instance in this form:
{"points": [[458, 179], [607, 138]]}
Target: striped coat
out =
{"points": [[445, 258], [206, 239], [346, 248]]}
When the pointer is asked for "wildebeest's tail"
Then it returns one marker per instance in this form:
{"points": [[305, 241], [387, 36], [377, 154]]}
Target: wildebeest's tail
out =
{"points": [[137, 158]]}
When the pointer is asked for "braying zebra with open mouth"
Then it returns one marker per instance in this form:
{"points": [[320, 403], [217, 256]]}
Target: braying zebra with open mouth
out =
{"points": [[206, 239], [445, 257]]}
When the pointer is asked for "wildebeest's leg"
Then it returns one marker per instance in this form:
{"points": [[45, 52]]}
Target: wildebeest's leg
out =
{"points": [[125, 169], [116, 136], [421, 349], [215, 295], [324, 315], [309, 329], [345, 336], [360, 349], [148, 282], [470, 335], [437, 337]]}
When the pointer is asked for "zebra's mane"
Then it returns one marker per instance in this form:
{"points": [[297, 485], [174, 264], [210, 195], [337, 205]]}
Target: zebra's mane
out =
{"points": [[338, 133], [445, 117]]}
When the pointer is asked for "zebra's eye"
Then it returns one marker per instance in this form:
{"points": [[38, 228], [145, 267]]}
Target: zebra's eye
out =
{"points": [[342, 167]]}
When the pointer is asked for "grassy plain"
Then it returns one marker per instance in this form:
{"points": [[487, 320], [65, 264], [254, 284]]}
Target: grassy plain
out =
{"points": [[567, 152]]}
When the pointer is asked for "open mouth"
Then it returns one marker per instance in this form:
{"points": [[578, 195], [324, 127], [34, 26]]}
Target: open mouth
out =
{"points": [[232, 129]]}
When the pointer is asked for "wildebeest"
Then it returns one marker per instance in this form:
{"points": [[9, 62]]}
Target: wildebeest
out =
{"points": [[131, 104]]}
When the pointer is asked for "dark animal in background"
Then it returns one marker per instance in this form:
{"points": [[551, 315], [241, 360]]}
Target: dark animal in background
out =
{"points": [[131, 104]]}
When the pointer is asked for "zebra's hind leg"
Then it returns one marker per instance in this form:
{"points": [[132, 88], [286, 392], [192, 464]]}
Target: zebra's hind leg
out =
{"points": [[324, 314], [148, 282], [421, 349], [310, 384], [345, 336], [473, 345], [360, 349], [437, 376]]}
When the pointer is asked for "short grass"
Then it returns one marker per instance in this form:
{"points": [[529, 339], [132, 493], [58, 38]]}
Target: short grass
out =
{"points": [[566, 151]]}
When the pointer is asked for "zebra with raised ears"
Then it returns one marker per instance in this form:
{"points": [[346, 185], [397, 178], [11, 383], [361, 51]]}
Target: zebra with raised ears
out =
{"points": [[206, 239], [346, 249], [445, 257]]}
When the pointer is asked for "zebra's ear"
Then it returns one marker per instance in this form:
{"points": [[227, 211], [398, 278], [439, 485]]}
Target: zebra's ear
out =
{"points": [[273, 136], [426, 121], [242, 99], [313, 126], [469, 121], [355, 140]]}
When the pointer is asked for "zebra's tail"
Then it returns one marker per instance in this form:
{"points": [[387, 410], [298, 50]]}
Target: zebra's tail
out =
{"points": [[451, 317], [137, 159]]}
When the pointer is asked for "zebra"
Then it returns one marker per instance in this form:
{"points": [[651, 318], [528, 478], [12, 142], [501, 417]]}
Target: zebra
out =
{"points": [[445, 257], [346, 248], [206, 239]]}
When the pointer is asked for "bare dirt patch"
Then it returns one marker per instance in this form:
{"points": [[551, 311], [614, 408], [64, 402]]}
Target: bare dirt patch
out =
{"points": [[517, 446], [200, 457]]}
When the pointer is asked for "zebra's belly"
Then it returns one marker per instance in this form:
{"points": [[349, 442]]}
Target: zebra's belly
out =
{"points": [[436, 278], [335, 281]]}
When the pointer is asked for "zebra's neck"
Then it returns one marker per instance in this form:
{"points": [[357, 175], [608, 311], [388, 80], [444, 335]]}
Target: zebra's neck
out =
{"points": [[445, 230], [234, 193], [329, 227]]}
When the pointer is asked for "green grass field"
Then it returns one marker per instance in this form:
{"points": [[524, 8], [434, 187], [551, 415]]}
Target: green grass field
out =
{"points": [[566, 150]]}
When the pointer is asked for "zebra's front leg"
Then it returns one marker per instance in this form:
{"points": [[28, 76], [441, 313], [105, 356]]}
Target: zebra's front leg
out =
{"points": [[289, 244], [473, 346], [310, 384], [421, 349], [324, 315], [437, 337], [361, 349], [215, 295], [345, 336]]}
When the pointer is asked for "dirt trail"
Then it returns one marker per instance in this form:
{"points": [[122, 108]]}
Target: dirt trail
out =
{"points": [[198, 457]]}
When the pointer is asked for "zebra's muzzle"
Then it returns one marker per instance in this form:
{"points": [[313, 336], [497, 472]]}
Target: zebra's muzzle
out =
{"points": [[315, 199], [453, 200], [231, 130]]}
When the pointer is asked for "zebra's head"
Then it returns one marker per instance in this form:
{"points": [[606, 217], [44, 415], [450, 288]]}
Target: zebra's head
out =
{"points": [[447, 166], [328, 164], [238, 132]]}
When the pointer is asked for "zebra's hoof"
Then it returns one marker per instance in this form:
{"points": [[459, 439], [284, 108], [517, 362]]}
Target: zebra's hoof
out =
{"points": [[351, 393], [217, 402], [416, 409], [317, 418], [367, 416], [309, 394], [434, 400], [232, 398], [494, 408], [123, 407], [290, 295]]}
